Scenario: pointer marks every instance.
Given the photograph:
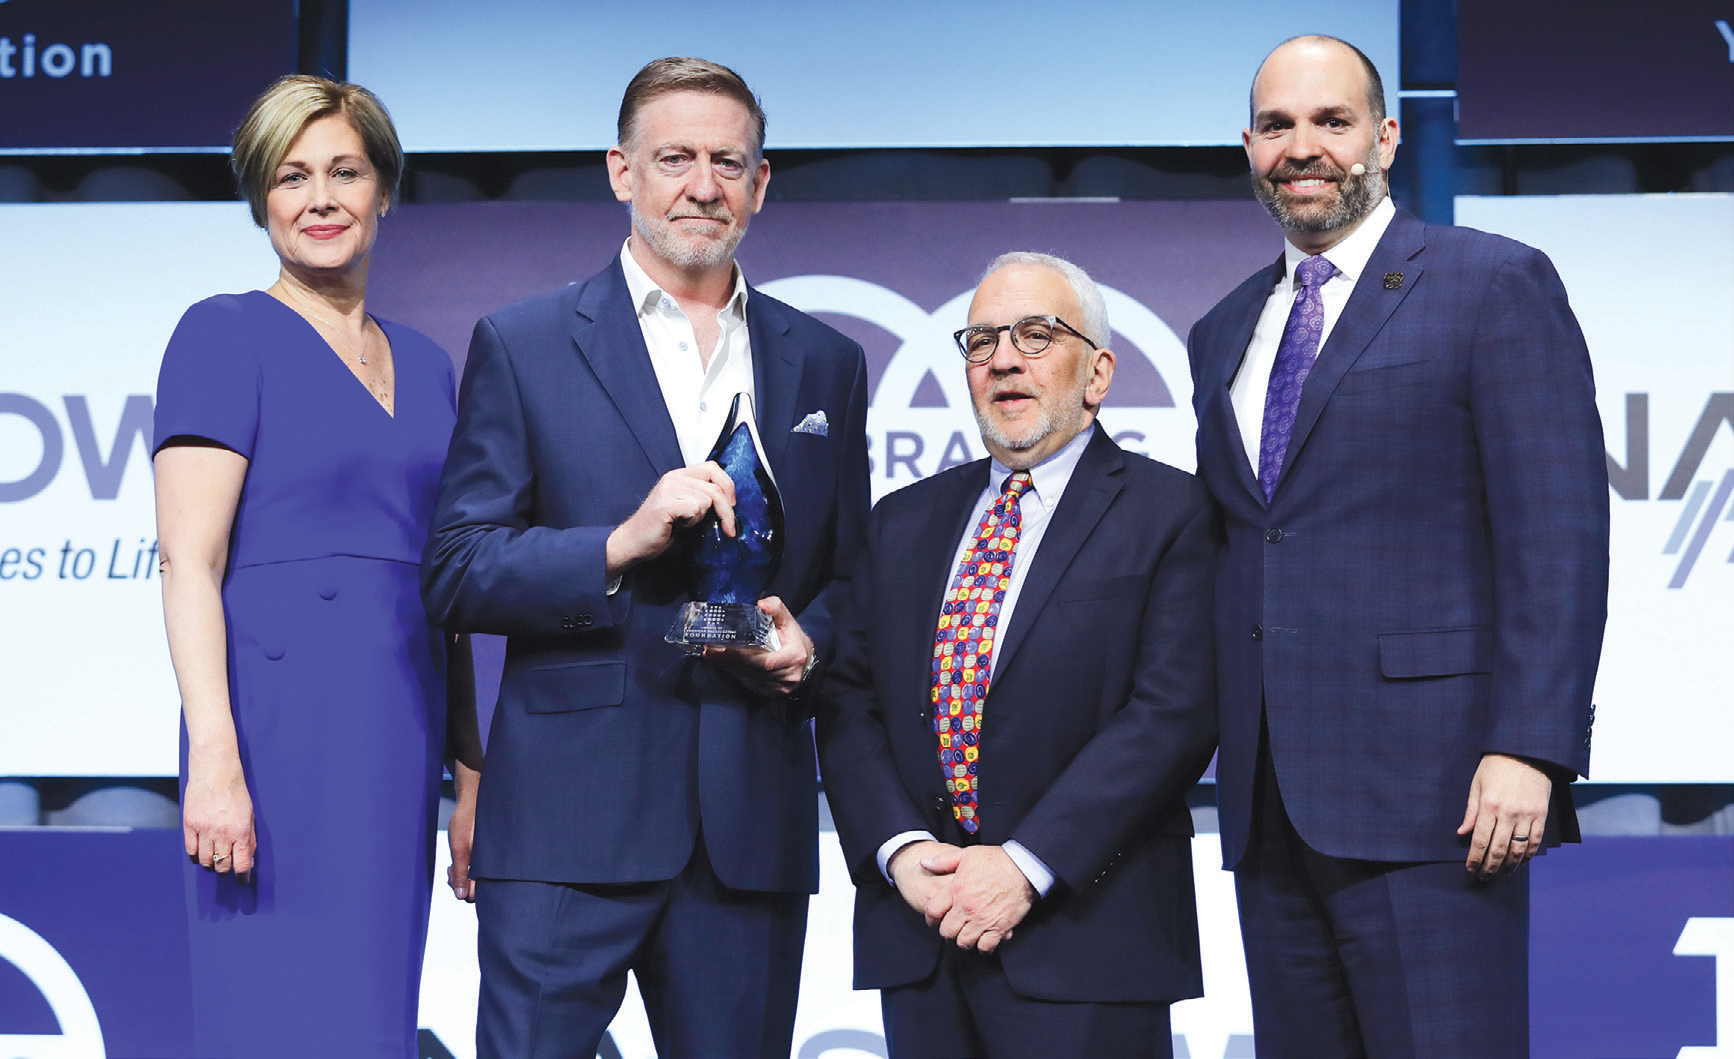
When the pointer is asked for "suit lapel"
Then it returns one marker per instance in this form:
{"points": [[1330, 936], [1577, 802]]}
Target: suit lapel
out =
{"points": [[1243, 307], [1227, 428], [1095, 483], [776, 374], [606, 332], [1363, 317]]}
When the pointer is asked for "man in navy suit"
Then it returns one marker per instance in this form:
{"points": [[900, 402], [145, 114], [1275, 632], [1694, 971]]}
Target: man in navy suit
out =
{"points": [[642, 809], [1398, 424], [1021, 699]]}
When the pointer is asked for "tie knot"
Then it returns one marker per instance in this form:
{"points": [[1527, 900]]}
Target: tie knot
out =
{"points": [[1016, 483], [1314, 271]]}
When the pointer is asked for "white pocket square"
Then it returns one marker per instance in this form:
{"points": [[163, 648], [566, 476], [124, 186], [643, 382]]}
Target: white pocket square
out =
{"points": [[815, 423]]}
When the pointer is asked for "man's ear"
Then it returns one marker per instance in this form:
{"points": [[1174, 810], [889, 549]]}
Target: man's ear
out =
{"points": [[761, 177], [1389, 134], [620, 174], [1101, 377]]}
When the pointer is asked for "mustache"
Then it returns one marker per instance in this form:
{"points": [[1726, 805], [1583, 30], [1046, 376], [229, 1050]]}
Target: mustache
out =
{"points": [[720, 213], [1318, 170]]}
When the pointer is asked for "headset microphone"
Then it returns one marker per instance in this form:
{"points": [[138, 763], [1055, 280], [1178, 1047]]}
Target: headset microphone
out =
{"points": [[1357, 170]]}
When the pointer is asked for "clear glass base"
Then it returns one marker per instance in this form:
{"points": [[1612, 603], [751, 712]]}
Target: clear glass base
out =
{"points": [[700, 625]]}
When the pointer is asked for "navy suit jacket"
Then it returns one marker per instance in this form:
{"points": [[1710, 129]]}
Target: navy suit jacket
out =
{"points": [[1428, 582], [609, 746], [1100, 718]]}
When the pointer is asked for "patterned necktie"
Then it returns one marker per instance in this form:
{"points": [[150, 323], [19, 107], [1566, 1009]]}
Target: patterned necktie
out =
{"points": [[963, 647], [1294, 359]]}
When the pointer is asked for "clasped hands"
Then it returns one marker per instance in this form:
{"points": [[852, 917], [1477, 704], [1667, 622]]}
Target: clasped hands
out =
{"points": [[684, 497], [974, 896]]}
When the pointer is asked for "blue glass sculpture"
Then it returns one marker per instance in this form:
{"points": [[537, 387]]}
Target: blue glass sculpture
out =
{"points": [[731, 574]]}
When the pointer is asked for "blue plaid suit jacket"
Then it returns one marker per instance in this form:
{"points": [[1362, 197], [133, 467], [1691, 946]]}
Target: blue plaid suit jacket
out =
{"points": [[1428, 582]]}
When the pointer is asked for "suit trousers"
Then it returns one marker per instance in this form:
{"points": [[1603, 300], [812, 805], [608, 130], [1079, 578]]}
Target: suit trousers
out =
{"points": [[1385, 960], [719, 968], [966, 1010]]}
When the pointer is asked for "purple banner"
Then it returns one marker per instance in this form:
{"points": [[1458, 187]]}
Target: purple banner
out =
{"points": [[894, 276], [1613, 923], [440, 268], [1628, 937], [93, 944]]}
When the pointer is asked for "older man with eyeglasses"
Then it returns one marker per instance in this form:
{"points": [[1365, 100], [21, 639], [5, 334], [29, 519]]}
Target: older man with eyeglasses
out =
{"points": [[1022, 697]]}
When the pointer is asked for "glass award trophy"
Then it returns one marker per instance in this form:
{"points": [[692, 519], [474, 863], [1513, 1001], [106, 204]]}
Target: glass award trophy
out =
{"points": [[731, 574]]}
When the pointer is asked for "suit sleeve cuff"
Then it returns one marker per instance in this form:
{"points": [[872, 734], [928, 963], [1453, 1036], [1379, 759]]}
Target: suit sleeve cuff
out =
{"points": [[1041, 879], [897, 842]]}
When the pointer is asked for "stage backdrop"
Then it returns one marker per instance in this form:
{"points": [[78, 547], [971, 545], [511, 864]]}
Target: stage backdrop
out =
{"points": [[89, 294]]}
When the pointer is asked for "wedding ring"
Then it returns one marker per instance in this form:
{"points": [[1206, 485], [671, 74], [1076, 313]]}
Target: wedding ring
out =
{"points": [[1520, 838], [218, 857]]}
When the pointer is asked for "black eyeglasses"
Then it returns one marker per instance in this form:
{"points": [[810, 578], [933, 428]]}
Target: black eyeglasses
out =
{"points": [[1030, 336]]}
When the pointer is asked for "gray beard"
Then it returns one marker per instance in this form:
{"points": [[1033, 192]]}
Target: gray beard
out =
{"points": [[1042, 427], [679, 253], [1356, 197]]}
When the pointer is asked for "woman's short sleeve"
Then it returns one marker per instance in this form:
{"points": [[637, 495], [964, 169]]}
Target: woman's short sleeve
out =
{"points": [[209, 383]]}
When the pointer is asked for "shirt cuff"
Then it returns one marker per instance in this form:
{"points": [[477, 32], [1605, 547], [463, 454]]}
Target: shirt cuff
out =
{"points": [[615, 582], [897, 842], [1041, 879]]}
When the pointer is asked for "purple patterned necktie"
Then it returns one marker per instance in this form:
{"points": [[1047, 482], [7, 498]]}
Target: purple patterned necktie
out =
{"points": [[1294, 359]]}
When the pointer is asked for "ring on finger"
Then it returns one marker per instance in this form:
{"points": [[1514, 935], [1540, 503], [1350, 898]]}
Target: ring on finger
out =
{"points": [[218, 858], [1520, 838]]}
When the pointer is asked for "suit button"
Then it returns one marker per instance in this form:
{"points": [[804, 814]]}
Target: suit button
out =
{"points": [[1273, 535], [1257, 632], [939, 803], [568, 623], [586, 620]]}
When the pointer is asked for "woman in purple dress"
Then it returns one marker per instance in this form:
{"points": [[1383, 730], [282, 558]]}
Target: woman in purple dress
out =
{"points": [[298, 445]]}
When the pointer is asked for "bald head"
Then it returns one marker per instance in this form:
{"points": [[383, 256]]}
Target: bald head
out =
{"points": [[1316, 48]]}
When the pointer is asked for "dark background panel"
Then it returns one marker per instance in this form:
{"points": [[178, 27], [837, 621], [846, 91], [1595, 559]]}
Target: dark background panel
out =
{"points": [[1595, 69], [181, 71]]}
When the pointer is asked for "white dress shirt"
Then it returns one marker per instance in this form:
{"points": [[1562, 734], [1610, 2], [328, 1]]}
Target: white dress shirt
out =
{"points": [[1048, 481], [698, 396], [1253, 380]]}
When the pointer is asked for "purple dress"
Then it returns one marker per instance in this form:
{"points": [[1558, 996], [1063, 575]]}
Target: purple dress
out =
{"points": [[335, 680]]}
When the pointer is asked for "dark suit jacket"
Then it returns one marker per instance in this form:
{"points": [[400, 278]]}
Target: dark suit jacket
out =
{"points": [[1099, 719], [1429, 580], [609, 746]]}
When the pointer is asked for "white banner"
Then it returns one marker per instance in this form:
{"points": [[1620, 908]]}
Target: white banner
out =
{"points": [[1651, 278], [88, 297]]}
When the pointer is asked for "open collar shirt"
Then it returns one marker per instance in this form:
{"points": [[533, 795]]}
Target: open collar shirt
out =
{"points": [[697, 395]]}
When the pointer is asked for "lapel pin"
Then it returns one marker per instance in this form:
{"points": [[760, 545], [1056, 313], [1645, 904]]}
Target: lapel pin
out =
{"points": [[1393, 280]]}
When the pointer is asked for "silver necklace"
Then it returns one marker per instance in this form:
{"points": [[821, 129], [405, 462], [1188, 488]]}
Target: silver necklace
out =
{"points": [[360, 354]]}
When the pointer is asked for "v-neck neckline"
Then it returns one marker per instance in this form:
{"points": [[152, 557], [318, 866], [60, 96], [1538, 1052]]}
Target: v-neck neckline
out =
{"points": [[372, 398]]}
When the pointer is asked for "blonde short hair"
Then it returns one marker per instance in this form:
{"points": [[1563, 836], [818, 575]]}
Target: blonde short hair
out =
{"points": [[294, 102]]}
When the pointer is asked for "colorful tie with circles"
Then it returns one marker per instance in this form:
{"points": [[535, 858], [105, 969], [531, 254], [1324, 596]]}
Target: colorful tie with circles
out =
{"points": [[1294, 359], [963, 647]]}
